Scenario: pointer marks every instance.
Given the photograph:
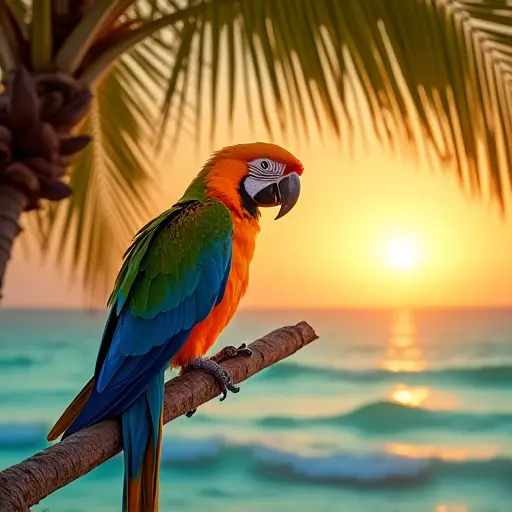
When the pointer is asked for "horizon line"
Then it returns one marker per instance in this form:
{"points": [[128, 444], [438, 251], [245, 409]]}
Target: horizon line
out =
{"points": [[288, 308]]}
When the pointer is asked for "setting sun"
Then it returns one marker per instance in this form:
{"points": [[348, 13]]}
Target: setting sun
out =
{"points": [[401, 254]]}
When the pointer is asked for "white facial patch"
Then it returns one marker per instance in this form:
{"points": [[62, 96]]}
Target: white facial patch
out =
{"points": [[253, 186], [262, 172], [265, 169]]}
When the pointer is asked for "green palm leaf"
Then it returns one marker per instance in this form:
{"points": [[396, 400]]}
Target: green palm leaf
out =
{"points": [[441, 88], [112, 178]]}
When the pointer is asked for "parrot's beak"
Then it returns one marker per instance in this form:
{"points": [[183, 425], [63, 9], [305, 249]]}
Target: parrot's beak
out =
{"points": [[289, 190], [285, 193]]}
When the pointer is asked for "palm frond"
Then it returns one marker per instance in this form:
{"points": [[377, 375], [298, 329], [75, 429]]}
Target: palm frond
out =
{"points": [[8, 41], [99, 15], [41, 41], [114, 192], [441, 89], [19, 11]]}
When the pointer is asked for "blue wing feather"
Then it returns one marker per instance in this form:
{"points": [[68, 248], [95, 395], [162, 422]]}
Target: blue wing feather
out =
{"points": [[141, 347], [224, 282]]}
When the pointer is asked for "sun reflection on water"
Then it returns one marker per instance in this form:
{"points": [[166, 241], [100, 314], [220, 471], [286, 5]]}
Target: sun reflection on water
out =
{"points": [[459, 507], [403, 354], [447, 453], [413, 397]]}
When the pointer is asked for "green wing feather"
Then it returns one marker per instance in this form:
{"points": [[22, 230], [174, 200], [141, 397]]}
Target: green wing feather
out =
{"points": [[166, 250], [136, 251]]}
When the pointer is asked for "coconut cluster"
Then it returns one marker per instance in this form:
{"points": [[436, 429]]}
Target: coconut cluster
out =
{"points": [[37, 116]]}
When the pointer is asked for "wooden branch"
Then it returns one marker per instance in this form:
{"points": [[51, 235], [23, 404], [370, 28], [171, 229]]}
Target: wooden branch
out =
{"points": [[28, 482]]}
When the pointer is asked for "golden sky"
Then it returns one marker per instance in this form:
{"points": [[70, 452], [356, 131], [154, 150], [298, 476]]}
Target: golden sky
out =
{"points": [[370, 230], [374, 230]]}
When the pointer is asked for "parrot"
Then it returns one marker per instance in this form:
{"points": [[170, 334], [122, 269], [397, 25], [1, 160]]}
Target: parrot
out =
{"points": [[179, 285]]}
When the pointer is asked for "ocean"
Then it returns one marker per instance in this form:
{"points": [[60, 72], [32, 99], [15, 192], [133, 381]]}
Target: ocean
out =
{"points": [[394, 411]]}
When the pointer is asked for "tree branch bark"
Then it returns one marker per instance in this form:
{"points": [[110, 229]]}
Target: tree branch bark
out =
{"points": [[28, 482]]}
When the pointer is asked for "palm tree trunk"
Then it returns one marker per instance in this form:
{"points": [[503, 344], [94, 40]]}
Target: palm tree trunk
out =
{"points": [[12, 203], [37, 115]]}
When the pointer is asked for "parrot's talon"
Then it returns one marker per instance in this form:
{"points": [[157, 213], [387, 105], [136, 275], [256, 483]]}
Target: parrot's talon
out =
{"points": [[211, 366], [233, 389], [230, 387], [230, 352], [244, 352], [220, 374], [191, 413]]}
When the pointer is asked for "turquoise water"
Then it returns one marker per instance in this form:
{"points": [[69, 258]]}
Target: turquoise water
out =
{"points": [[396, 411]]}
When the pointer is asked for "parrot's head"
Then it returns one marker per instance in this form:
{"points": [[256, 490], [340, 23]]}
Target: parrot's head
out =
{"points": [[249, 176]]}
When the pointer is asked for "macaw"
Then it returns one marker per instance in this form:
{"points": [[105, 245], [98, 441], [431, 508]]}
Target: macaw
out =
{"points": [[180, 284]]}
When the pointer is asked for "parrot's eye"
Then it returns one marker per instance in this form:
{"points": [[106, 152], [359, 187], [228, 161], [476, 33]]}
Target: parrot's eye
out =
{"points": [[265, 169]]}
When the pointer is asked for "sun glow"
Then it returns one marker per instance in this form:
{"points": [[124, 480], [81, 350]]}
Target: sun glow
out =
{"points": [[412, 397], [401, 254]]}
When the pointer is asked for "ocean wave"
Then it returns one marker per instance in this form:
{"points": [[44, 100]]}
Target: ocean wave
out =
{"points": [[197, 451], [385, 417], [377, 470], [490, 376], [340, 468], [358, 469], [14, 436], [17, 362]]}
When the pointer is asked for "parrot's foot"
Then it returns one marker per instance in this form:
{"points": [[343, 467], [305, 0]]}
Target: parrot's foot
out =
{"points": [[211, 366], [221, 375], [230, 352]]}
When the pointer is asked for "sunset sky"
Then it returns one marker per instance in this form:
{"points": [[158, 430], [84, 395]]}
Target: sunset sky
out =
{"points": [[375, 230]]}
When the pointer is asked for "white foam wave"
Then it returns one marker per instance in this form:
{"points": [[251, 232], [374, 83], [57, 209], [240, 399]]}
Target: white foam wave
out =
{"points": [[345, 466]]}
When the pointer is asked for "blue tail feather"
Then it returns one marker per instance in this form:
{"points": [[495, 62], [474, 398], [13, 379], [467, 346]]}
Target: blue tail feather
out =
{"points": [[141, 429]]}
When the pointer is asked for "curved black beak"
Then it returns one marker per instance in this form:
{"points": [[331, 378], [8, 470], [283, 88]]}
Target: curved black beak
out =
{"points": [[289, 188], [285, 193]]}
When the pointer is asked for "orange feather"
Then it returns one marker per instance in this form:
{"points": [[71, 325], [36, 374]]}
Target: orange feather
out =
{"points": [[224, 186], [71, 413], [227, 168]]}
